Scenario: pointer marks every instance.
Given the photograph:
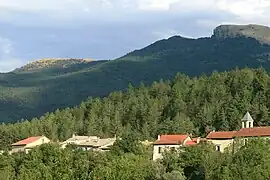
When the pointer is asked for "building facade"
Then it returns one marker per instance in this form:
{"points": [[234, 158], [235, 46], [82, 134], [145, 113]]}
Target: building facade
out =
{"points": [[29, 143], [225, 139], [89, 142], [169, 142]]}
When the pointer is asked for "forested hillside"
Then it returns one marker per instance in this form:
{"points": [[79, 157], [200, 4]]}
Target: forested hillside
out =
{"points": [[32, 92], [182, 105]]}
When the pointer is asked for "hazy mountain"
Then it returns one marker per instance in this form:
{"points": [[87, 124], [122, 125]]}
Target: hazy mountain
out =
{"points": [[36, 89]]}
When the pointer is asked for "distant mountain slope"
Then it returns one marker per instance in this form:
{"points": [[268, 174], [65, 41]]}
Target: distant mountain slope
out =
{"points": [[29, 93], [261, 33], [52, 63]]}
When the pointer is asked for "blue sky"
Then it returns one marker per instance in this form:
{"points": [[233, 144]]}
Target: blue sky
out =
{"points": [[106, 29]]}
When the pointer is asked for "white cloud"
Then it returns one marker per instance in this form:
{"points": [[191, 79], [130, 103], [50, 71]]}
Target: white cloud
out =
{"points": [[105, 28], [7, 61], [93, 11]]}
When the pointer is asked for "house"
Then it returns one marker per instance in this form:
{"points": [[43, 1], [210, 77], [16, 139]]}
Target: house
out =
{"points": [[166, 142], [90, 142], [29, 143], [221, 139], [224, 139]]}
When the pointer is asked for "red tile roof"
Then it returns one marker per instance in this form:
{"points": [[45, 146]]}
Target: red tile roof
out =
{"points": [[221, 135], [176, 137], [166, 142], [253, 132], [190, 143], [171, 139], [27, 141]]}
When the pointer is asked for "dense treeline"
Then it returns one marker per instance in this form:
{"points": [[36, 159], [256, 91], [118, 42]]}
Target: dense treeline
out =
{"points": [[201, 162], [28, 93], [183, 105], [126, 160]]}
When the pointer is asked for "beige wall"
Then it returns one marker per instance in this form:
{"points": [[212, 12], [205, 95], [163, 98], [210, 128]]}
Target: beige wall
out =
{"points": [[42, 140], [223, 143], [157, 154], [17, 149], [26, 148]]}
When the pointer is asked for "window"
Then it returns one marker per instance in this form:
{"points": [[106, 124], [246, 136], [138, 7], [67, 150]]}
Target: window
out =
{"points": [[217, 147], [249, 124], [159, 149], [246, 140], [173, 148]]}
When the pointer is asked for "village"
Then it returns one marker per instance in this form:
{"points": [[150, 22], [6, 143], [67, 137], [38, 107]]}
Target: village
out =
{"points": [[220, 139]]}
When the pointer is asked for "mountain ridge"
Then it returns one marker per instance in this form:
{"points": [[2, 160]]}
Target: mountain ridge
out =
{"points": [[258, 32], [32, 93]]}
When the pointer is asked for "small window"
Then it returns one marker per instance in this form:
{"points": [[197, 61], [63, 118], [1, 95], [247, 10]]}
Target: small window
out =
{"points": [[246, 141], [159, 149], [217, 147], [249, 124]]}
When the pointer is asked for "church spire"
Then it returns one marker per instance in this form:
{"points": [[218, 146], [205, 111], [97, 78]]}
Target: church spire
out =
{"points": [[247, 121]]}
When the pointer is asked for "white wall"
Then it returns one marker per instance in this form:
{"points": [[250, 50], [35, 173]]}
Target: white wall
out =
{"points": [[40, 141], [224, 143], [157, 154]]}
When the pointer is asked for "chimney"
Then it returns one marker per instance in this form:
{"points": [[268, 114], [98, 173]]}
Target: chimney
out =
{"points": [[198, 140], [158, 137], [73, 135]]}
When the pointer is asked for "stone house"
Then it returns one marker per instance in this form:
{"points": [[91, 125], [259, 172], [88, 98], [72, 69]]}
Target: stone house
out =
{"points": [[167, 142], [29, 143], [89, 142], [225, 139], [221, 139]]}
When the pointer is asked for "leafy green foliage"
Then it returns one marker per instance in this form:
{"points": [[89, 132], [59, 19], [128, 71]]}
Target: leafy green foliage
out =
{"points": [[183, 105], [50, 162], [129, 143]]}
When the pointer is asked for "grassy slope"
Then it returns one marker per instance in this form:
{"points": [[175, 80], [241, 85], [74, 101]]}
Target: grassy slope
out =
{"points": [[32, 93]]}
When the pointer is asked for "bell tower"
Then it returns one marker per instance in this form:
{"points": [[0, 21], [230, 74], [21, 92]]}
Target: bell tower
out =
{"points": [[247, 121]]}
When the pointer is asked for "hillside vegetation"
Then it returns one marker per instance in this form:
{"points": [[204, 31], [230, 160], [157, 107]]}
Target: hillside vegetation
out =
{"points": [[52, 63], [202, 162], [183, 105], [29, 93]]}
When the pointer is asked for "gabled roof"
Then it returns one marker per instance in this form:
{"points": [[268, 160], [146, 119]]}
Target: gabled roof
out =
{"points": [[247, 117], [171, 139], [221, 135], [176, 137], [27, 141], [253, 132]]}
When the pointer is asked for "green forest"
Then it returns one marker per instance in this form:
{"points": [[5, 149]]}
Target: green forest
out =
{"points": [[45, 85], [133, 161], [195, 105]]}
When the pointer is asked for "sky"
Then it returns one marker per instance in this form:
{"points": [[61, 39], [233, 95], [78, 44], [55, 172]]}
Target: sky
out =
{"points": [[107, 29]]}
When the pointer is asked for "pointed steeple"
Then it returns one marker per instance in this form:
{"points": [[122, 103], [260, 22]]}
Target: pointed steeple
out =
{"points": [[247, 121]]}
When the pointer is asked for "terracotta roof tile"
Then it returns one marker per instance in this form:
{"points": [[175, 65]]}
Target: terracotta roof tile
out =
{"points": [[221, 135], [171, 139], [177, 137], [27, 141], [253, 132], [190, 143], [166, 142]]}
